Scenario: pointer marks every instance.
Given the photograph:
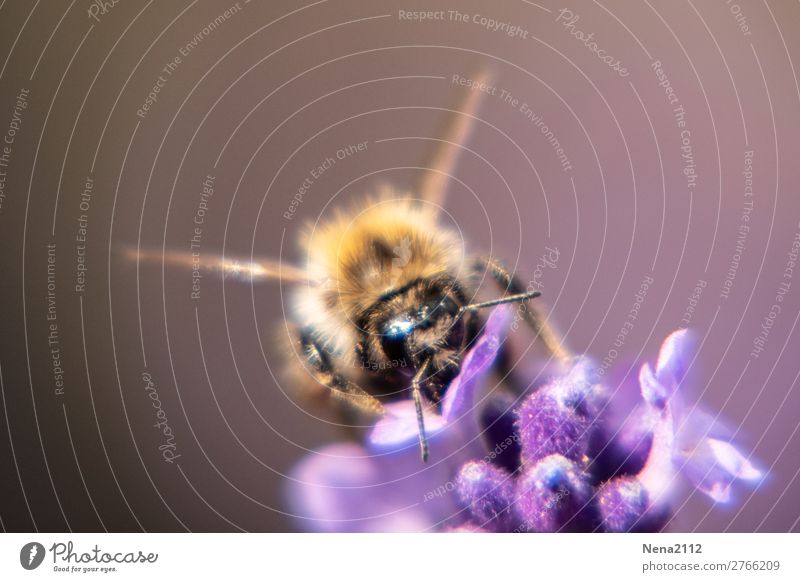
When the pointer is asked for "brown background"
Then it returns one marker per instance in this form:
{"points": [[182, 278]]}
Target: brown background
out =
{"points": [[274, 91]]}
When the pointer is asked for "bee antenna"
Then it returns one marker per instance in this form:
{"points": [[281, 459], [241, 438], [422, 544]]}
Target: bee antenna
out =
{"points": [[509, 299], [417, 394]]}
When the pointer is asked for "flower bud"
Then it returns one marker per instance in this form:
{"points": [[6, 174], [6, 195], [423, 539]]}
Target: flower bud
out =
{"points": [[547, 426], [554, 495], [487, 491]]}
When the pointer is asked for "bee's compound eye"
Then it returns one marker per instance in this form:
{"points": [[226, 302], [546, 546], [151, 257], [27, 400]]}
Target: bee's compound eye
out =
{"points": [[398, 328], [395, 333]]}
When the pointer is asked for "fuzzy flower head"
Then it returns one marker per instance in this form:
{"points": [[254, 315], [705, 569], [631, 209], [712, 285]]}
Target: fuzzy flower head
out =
{"points": [[549, 459]]}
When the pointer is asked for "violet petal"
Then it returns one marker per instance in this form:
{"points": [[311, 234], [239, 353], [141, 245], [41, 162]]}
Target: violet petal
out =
{"points": [[654, 392], [714, 465], [459, 400], [398, 427], [343, 489], [675, 356]]}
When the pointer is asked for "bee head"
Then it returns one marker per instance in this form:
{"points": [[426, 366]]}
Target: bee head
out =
{"points": [[423, 330], [427, 320], [422, 320]]}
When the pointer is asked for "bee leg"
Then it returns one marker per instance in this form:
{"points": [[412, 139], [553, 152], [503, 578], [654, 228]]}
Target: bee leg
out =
{"points": [[417, 394], [340, 387], [507, 281]]}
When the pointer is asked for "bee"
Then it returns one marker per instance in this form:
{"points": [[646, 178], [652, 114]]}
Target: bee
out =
{"points": [[384, 308]]}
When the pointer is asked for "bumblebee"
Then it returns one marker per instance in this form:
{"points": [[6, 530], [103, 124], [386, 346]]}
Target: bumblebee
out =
{"points": [[384, 308]]}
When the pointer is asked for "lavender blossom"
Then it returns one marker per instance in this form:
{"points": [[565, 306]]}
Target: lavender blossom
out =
{"points": [[488, 492], [552, 459]]}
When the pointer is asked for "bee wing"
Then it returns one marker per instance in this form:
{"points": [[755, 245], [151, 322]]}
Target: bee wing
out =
{"points": [[433, 185], [261, 269]]}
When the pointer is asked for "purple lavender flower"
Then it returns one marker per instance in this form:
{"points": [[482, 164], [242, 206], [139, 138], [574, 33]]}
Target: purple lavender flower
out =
{"points": [[488, 492], [553, 459], [554, 494]]}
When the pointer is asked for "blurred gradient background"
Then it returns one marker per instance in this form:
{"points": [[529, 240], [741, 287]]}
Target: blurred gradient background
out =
{"points": [[265, 95]]}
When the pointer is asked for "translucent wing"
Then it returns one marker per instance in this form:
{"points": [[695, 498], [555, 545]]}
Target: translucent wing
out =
{"points": [[433, 185], [242, 269]]}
